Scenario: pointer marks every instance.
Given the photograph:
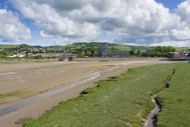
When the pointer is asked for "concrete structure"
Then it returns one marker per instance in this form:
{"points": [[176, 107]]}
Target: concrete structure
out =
{"points": [[103, 49]]}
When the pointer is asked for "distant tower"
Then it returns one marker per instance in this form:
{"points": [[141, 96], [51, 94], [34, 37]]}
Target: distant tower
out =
{"points": [[103, 49]]}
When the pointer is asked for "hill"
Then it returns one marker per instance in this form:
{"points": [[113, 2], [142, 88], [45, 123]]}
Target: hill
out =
{"points": [[2, 46], [95, 45]]}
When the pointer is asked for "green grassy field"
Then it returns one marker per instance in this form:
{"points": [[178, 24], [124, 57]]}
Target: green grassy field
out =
{"points": [[119, 101], [122, 47], [8, 46], [182, 48], [175, 101]]}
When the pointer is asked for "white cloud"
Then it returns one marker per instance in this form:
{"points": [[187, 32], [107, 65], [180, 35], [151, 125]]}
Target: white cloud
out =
{"points": [[130, 21], [172, 43], [53, 23], [181, 31], [12, 29], [181, 34], [183, 11]]}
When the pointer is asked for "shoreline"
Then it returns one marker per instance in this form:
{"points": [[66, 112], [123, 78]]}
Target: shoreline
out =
{"points": [[39, 108], [81, 59], [45, 95]]}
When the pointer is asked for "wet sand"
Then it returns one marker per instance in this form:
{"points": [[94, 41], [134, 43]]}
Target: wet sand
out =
{"points": [[35, 78]]}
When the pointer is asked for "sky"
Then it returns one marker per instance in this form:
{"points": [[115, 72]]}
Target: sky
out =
{"points": [[60, 22]]}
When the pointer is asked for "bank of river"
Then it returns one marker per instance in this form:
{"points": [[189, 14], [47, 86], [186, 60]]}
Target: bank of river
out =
{"points": [[112, 103], [51, 93], [151, 120]]}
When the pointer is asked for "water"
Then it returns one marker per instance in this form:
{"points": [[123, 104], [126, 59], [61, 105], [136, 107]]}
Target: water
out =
{"points": [[151, 118], [8, 73]]}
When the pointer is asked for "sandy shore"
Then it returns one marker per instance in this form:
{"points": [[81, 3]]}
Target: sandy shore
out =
{"points": [[34, 78]]}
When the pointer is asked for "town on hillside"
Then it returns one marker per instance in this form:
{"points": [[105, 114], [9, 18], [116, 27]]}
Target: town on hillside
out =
{"points": [[93, 49]]}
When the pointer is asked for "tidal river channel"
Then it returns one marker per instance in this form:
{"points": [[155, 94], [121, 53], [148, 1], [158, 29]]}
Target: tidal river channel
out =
{"points": [[48, 94]]}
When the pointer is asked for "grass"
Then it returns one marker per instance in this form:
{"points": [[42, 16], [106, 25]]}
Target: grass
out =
{"points": [[182, 49], [175, 101], [8, 46], [14, 94], [122, 47], [18, 59], [24, 120], [119, 101], [10, 94]]}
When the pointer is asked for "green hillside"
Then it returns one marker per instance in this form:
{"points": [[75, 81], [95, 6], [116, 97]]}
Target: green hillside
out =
{"points": [[118, 47], [95, 45], [8, 46], [182, 48]]}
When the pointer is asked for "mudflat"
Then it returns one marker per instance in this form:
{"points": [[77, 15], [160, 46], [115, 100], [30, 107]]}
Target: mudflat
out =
{"points": [[23, 80], [19, 81]]}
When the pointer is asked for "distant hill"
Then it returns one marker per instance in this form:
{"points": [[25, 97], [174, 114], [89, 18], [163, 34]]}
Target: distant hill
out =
{"points": [[8, 46], [120, 47], [182, 48], [95, 45]]}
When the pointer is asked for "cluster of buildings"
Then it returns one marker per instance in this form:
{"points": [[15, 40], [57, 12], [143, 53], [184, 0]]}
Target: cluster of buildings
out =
{"points": [[30, 54], [66, 56], [181, 55], [103, 51]]}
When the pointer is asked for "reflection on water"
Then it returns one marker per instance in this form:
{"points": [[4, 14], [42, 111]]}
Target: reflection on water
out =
{"points": [[8, 73]]}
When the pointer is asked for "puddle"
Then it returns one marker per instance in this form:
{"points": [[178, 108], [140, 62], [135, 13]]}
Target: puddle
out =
{"points": [[8, 73]]}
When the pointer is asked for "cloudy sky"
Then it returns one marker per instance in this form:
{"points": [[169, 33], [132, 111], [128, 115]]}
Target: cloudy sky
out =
{"points": [[59, 22]]}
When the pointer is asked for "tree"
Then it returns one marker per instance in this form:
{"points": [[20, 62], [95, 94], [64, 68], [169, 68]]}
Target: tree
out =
{"points": [[132, 52], [139, 53], [88, 53], [40, 50], [170, 49], [25, 46], [165, 49], [5, 53]]}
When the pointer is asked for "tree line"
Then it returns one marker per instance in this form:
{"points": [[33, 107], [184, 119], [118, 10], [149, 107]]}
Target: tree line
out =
{"points": [[87, 49], [159, 51]]}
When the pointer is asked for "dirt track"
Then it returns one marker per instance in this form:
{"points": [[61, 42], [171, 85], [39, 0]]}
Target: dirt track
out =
{"points": [[33, 78]]}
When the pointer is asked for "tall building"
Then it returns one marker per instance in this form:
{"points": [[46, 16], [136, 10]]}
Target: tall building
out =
{"points": [[103, 49]]}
